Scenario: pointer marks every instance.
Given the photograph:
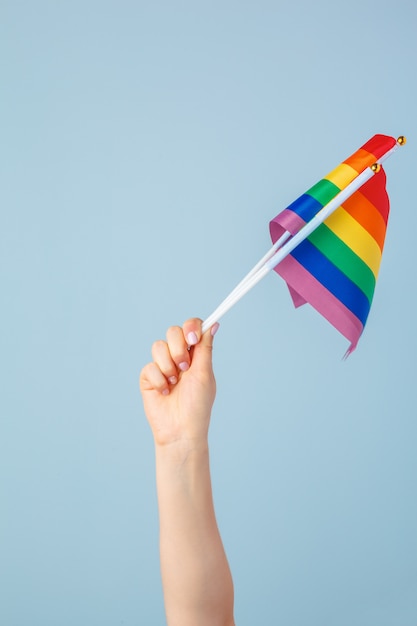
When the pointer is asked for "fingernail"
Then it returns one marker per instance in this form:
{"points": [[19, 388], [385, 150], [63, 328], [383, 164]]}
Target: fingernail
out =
{"points": [[214, 329], [165, 392], [192, 339], [183, 366], [172, 380]]}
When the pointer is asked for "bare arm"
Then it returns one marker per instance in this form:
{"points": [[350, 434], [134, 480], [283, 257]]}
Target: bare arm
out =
{"points": [[178, 390]]}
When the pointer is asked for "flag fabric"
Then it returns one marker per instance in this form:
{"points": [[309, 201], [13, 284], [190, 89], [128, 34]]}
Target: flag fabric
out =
{"points": [[335, 268]]}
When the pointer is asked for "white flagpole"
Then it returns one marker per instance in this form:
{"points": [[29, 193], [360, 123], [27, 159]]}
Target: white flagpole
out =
{"points": [[231, 298], [268, 262]]}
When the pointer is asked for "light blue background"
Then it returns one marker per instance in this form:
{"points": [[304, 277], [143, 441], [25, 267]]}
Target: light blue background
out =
{"points": [[144, 148]]}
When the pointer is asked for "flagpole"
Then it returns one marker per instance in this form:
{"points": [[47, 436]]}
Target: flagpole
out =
{"points": [[268, 262], [231, 298]]}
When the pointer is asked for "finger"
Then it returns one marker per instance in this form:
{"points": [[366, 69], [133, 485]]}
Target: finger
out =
{"points": [[178, 348], [192, 330], [152, 379], [163, 359]]}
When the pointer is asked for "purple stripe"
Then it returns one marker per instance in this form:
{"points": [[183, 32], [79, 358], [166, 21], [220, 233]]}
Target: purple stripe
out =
{"points": [[301, 281], [287, 220]]}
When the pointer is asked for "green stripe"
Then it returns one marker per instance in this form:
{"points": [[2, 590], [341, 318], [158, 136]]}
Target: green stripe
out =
{"points": [[344, 259], [323, 191]]}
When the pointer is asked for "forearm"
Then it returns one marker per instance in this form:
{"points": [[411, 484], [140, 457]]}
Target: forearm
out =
{"points": [[197, 583]]}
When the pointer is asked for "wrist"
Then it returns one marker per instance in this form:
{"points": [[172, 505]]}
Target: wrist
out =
{"points": [[179, 451], [183, 471]]}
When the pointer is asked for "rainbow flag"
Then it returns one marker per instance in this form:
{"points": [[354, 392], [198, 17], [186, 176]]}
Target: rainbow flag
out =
{"points": [[335, 268]]}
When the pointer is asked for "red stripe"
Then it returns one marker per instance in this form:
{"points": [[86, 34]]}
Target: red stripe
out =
{"points": [[378, 145], [376, 193], [370, 152]]}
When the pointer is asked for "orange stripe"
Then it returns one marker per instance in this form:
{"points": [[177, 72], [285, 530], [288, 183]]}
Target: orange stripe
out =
{"points": [[360, 160], [367, 215]]}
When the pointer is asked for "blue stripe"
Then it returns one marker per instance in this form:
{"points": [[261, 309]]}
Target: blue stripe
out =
{"points": [[333, 279], [306, 207]]}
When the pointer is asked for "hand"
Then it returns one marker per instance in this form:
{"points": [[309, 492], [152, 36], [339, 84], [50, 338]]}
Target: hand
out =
{"points": [[178, 387]]}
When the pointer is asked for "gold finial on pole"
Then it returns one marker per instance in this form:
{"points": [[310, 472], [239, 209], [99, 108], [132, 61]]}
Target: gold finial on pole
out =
{"points": [[401, 140]]}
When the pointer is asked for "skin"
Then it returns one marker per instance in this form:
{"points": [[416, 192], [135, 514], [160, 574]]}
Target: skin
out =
{"points": [[178, 390]]}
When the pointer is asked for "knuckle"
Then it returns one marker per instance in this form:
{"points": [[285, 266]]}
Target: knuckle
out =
{"points": [[194, 323]]}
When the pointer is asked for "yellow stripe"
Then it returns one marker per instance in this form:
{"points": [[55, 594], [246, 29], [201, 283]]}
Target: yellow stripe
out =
{"points": [[342, 175], [356, 237]]}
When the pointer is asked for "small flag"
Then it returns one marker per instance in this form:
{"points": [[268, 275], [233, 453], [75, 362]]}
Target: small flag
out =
{"points": [[327, 244], [335, 268]]}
